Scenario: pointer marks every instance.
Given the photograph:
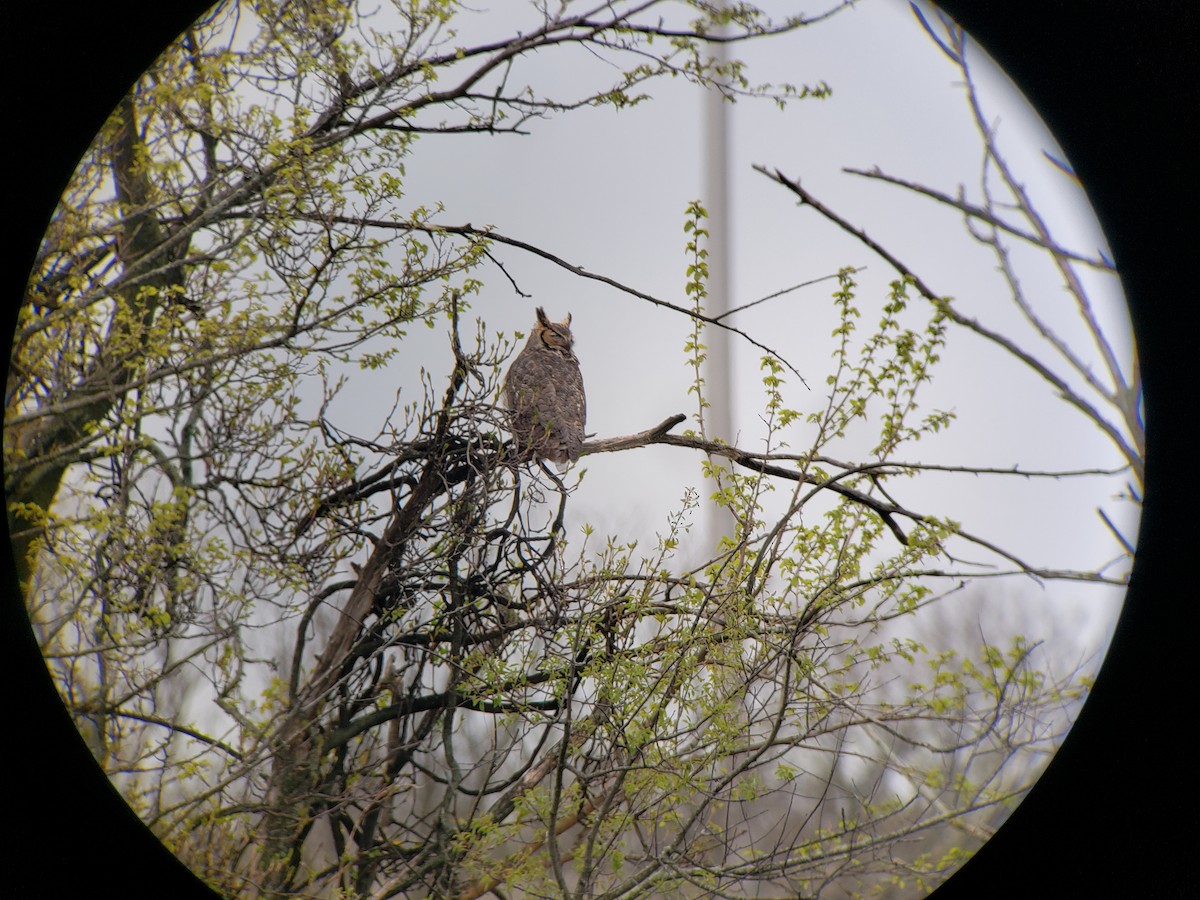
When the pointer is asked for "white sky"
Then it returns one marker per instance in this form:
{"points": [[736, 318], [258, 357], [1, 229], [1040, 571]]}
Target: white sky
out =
{"points": [[607, 190]]}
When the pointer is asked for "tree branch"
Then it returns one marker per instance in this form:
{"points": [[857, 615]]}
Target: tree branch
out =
{"points": [[488, 234], [985, 215], [1064, 390], [887, 511]]}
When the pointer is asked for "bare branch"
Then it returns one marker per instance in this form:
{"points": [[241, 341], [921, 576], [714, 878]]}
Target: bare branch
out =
{"points": [[984, 214], [1064, 390]]}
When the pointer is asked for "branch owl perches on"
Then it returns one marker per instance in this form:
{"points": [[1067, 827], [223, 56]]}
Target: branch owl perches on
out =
{"points": [[544, 394]]}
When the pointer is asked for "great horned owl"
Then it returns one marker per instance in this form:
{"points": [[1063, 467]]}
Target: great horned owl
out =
{"points": [[544, 393]]}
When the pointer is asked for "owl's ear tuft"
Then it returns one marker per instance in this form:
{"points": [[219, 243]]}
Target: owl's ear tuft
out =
{"points": [[542, 317], [567, 321]]}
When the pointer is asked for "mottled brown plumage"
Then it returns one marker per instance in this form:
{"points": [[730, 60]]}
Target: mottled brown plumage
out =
{"points": [[544, 393]]}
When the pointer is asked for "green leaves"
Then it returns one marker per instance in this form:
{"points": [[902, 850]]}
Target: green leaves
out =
{"points": [[696, 287], [884, 381]]}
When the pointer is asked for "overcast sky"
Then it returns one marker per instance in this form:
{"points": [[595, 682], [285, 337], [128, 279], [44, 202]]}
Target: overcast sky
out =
{"points": [[607, 191]]}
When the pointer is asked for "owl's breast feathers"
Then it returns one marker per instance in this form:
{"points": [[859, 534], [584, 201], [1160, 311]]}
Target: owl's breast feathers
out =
{"points": [[544, 393]]}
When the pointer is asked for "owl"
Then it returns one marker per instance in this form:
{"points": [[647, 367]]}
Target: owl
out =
{"points": [[543, 391]]}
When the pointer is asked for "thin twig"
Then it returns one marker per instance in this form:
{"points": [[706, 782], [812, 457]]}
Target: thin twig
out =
{"points": [[886, 510], [788, 290], [1132, 456], [983, 214], [488, 234]]}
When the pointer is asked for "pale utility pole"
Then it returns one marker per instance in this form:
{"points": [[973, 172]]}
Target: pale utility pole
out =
{"points": [[717, 366]]}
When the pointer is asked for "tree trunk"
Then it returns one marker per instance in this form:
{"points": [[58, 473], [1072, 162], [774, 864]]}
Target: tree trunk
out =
{"points": [[58, 438]]}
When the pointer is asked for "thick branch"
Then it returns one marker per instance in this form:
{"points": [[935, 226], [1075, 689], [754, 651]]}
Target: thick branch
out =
{"points": [[109, 374]]}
